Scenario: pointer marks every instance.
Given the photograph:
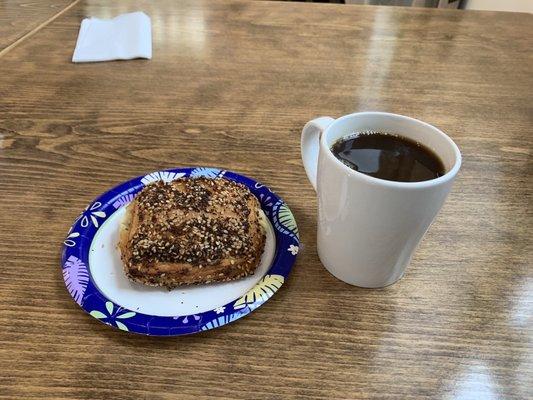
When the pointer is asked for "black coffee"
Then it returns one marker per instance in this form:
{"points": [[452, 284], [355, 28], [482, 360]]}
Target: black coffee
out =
{"points": [[389, 157]]}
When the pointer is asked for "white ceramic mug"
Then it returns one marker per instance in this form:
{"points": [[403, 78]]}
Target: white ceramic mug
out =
{"points": [[369, 228]]}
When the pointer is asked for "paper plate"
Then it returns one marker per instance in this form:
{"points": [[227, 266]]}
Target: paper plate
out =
{"points": [[94, 276]]}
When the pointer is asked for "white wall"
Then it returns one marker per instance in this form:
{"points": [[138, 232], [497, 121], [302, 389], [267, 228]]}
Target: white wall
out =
{"points": [[500, 5]]}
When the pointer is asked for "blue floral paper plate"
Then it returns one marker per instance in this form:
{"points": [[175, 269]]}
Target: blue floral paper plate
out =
{"points": [[94, 277]]}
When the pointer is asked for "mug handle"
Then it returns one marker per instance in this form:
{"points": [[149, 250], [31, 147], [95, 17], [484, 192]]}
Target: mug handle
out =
{"points": [[310, 144]]}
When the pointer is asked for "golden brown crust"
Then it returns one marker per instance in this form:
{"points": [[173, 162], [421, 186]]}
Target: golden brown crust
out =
{"points": [[191, 231]]}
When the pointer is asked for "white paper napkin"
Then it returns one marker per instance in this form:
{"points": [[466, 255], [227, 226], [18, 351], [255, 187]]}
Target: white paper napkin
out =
{"points": [[121, 38]]}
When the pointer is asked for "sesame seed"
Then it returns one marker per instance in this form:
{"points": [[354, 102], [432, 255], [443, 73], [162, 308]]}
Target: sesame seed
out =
{"points": [[192, 220]]}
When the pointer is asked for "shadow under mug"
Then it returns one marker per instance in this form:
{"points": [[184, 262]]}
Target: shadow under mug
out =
{"points": [[369, 228]]}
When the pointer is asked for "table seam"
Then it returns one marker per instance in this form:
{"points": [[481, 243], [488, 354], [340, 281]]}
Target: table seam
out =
{"points": [[27, 35]]}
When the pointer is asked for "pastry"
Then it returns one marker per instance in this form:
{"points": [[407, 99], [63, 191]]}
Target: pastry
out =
{"points": [[191, 231]]}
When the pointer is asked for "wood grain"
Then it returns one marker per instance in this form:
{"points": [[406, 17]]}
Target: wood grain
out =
{"points": [[231, 84], [20, 17]]}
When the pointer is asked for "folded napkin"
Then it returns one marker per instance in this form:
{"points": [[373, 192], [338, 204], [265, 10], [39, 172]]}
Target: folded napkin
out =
{"points": [[121, 38]]}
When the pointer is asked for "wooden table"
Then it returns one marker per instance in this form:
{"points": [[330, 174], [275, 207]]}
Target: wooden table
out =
{"points": [[231, 84], [21, 18]]}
